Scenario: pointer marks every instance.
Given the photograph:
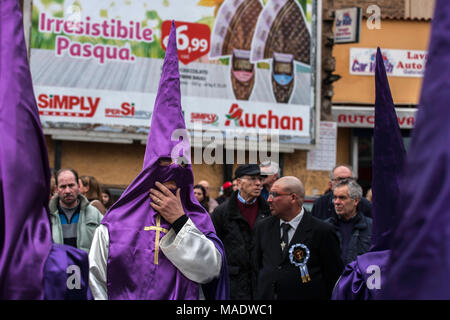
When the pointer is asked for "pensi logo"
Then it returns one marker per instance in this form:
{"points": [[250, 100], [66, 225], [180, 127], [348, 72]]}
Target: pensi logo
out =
{"points": [[126, 110]]}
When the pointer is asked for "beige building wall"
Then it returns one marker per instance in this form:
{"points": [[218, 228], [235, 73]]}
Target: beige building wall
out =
{"points": [[316, 182], [116, 165], [394, 34]]}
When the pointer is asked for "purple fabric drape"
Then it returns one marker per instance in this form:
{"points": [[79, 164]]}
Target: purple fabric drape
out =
{"points": [[387, 165], [361, 280], [419, 265], [66, 264], [25, 236], [31, 267]]}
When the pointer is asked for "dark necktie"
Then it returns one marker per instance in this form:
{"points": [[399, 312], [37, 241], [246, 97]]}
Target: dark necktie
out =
{"points": [[284, 237]]}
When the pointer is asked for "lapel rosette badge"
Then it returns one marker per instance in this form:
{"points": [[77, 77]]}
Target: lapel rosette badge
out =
{"points": [[299, 255]]}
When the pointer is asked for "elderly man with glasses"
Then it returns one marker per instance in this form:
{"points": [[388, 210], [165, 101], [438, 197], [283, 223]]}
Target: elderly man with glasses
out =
{"points": [[234, 220], [296, 255], [323, 207]]}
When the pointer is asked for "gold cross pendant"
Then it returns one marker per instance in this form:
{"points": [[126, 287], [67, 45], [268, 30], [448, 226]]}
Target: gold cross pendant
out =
{"points": [[158, 229], [283, 245]]}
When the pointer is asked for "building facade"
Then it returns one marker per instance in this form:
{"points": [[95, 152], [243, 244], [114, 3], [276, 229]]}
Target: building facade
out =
{"points": [[115, 158], [402, 33]]}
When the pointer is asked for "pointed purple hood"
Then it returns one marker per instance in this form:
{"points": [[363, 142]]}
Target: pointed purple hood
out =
{"points": [[25, 236], [419, 266], [167, 115], [387, 163], [131, 271]]}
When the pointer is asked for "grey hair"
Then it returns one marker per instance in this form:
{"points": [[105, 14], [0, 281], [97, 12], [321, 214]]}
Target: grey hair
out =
{"points": [[271, 167], [354, 189], [340, 165]]}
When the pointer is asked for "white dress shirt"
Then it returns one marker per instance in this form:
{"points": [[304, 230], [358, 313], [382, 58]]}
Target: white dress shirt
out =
{"points": [[293, 223]]}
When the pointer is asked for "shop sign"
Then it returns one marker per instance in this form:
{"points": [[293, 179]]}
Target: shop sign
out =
{"points": [[398, 63], [364, 117], [347, 25]]}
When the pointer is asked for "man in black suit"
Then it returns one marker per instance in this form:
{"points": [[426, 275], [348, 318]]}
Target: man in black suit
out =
{"points": [[291, 240]]}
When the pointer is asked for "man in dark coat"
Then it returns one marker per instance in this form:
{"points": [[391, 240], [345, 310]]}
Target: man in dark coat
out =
{"points": [[297, 256], [324, 208], [234, 220], [354, 230]]}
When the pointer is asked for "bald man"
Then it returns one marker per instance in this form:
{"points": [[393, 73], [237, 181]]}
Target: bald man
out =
{"points": [[296, 255]]}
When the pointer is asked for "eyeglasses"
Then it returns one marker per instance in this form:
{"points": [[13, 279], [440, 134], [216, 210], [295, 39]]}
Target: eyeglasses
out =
{"points": [[276, 194], [339, 179], [253, 178]]}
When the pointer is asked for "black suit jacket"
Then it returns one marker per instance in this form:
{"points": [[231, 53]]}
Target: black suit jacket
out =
{"points": [[278, 278]]}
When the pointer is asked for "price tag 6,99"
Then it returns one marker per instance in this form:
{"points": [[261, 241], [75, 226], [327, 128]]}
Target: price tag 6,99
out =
{"points": [[192, 39]]}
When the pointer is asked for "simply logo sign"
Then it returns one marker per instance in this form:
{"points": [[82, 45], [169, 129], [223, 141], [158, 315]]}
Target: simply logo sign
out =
{"points": [[67, 105], [205, 118]]}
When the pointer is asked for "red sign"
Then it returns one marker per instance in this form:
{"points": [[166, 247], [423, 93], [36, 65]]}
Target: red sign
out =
{"points": [[208, 118], [64, 105], [126, 109], [364, 117], [263, 121], [192, 39]]}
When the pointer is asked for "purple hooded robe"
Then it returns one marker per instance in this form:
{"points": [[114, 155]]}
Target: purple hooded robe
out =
{"points": [[387, 164], [131, 269], [419, 264], [31, 267]]}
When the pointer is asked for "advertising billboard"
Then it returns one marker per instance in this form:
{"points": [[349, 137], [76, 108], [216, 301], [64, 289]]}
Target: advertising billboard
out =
{"points": [[245, 65]]}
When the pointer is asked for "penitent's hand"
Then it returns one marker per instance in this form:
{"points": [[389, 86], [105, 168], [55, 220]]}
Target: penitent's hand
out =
{"points": [[166, 203]]}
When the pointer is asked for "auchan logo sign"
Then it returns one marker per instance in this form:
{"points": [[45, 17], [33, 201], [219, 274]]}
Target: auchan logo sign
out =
{"points": [[269, 120], [67, 105]]}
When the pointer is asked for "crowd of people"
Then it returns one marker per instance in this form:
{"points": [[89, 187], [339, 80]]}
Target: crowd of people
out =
{"points": [[97, 194], [250, 220]]}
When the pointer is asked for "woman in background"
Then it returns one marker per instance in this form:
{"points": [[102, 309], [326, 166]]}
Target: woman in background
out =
{"points": [[90, 188], [200, 195], [107, 198]]}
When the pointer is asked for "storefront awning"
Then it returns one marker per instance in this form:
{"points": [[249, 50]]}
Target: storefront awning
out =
{"points": [[364, 117]]}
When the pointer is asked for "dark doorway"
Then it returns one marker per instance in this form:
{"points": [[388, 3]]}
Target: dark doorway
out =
{"points": [[365, 154]]}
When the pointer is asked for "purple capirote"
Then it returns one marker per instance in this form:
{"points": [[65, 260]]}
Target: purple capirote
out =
{"points": [[31, 267], [419, 265], [25, 234], [387, 164], [131, 269]]}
